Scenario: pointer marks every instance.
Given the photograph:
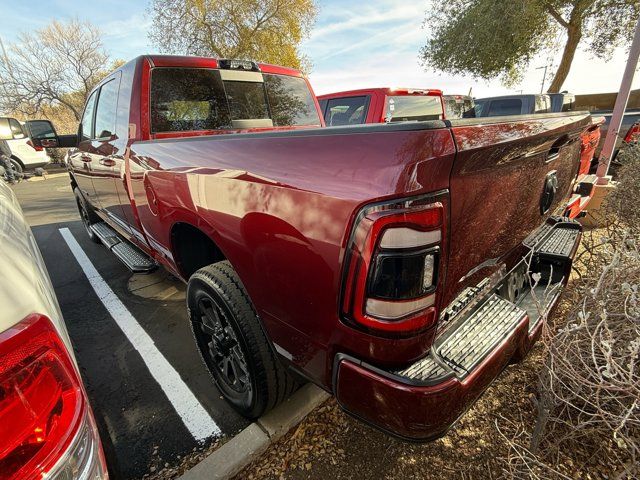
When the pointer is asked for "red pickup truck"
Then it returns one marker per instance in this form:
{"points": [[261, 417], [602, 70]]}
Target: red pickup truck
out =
{"points": [[376, 105], [400, 266]]}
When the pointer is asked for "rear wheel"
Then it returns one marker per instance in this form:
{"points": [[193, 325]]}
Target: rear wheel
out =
{"points": [[87, 215], [232, 343]]}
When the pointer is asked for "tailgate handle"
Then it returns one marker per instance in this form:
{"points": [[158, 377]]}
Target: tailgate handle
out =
{"points": [[554, 151], [553, 154]]}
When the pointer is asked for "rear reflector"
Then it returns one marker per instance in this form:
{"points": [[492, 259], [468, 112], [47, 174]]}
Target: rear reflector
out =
{"points": [[408, 238], [386, 310], [42, 402]]}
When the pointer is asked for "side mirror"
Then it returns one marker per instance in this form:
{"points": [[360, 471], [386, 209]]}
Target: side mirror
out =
{"points": [[43, 134]]}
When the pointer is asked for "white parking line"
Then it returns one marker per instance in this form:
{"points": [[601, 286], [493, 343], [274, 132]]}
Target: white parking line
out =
{"points": [[192, 413]]}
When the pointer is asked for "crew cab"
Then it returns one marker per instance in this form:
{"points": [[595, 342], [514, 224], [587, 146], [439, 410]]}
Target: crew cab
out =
{"points": [[400, 266], [374, 105], [47, 428]]}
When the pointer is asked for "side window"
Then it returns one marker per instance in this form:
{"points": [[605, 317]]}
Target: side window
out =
{"points": [[346, 111], [87, 118], [16, 128], [507, 106], [106, 110]]}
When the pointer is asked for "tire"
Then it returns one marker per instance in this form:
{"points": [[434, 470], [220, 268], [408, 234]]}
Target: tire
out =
{"points": [[225, 325], [17, 166], [87, 215]]}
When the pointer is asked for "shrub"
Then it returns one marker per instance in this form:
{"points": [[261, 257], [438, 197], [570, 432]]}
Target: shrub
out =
{"points": [[588, 401]]}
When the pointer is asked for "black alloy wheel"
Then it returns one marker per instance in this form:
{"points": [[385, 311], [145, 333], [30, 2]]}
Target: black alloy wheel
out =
{"points": [[221, 349]]}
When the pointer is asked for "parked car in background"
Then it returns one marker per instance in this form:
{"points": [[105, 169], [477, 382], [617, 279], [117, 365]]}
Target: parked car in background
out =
{"points": [[458, 106], [629, 131], [512, 105], [25, 155], [47, 429], [375, 105], [392, 264]]}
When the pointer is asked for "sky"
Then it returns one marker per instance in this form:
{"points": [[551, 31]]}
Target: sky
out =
{"points": [[354, 44]]}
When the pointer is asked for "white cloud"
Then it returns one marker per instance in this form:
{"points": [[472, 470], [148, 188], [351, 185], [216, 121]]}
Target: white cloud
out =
{"points": [[362, 17], [377, 45]]}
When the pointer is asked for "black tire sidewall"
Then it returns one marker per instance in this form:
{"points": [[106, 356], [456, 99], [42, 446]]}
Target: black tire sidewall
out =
{"points": [[249, 403], [17, 167]]}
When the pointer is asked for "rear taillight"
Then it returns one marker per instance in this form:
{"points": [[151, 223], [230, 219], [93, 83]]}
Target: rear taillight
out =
{"points": [[46, 425], [392, 267], [36, 148], [633, 135]]}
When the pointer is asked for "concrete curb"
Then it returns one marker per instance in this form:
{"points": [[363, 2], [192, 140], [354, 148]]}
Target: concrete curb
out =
{"points": [[245, 447]]}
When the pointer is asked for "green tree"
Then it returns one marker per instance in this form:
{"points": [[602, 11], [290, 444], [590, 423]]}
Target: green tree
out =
{"points": [[497, 38], [264, 30]]}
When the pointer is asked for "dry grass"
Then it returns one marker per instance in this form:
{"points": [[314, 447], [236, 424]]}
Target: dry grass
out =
{"points": [[588, 402]]}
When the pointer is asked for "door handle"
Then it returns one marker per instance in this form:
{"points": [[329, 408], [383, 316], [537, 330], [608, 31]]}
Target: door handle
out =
{"points": [[107, 162], [85, 158]]}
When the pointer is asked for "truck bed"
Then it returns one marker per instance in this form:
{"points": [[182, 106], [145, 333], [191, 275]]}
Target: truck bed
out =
{"points": [[281, 205]]}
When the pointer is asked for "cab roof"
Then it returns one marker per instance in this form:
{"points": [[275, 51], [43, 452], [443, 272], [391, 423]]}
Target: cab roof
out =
{"points": [[211, 62], [384, 91]]}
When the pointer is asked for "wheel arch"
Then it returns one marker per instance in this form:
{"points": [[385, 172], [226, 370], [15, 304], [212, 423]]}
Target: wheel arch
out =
{"points": [[193, 248], [17, 159]]}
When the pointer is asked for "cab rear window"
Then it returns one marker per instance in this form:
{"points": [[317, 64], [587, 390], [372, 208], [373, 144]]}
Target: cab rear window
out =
{"points": [[184, 99], [403, 108]]}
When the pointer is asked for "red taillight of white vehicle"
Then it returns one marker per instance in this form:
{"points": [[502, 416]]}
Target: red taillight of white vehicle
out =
{"points": [[36, 148], [46, 425], [392, 264]]}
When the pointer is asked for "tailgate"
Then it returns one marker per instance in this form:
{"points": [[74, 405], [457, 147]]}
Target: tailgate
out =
{"points": [[509, 175]]}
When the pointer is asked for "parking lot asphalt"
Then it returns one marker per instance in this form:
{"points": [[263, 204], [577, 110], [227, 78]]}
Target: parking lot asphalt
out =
{"points": [[141, 418]]}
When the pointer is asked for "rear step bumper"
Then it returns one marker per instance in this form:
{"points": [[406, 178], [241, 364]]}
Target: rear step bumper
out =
{"points": [[583, 192], [422, 401], [132, 257]]}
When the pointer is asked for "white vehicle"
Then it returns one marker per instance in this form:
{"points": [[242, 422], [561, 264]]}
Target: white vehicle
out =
{"points": [[47, 428], [24, 155]]}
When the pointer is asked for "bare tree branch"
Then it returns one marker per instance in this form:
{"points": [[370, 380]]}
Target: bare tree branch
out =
{"points": [[55, 66]]}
